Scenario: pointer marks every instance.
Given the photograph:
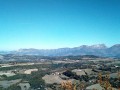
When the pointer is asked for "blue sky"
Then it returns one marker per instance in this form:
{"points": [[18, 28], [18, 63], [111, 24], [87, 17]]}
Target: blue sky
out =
{"points": [[48, 24]]}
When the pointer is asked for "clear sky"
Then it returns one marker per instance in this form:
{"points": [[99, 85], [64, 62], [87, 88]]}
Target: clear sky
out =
{"points": [[47, 24]]}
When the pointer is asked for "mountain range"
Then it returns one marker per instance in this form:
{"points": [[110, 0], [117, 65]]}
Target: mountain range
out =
{"points": [[98, 50]]}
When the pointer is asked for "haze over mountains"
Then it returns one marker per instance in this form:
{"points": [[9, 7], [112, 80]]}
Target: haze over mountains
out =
{"points": [[98, 50]]}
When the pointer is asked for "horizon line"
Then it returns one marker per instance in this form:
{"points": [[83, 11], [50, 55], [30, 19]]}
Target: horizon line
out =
{"points": [[58, 47]]}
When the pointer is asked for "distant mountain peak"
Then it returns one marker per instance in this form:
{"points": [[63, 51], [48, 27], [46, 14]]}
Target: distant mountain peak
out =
{"points": [[84, 46], [98, 50], [99, 46], [116, 45]]}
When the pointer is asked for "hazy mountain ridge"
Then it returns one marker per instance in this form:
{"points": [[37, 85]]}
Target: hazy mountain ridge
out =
{"points": [[98, 50]]}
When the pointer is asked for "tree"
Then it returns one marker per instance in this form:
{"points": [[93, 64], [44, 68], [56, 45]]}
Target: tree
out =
{"points": [[14, 87], [37, 83]]}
